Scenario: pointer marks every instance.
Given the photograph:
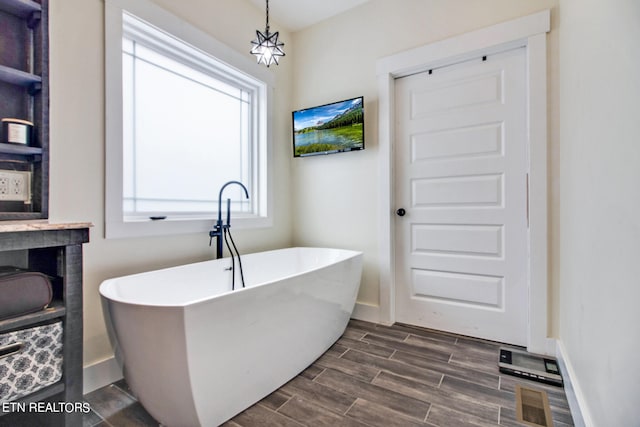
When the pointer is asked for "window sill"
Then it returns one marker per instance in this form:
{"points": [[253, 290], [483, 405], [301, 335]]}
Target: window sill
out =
{"points": [[174, 226]]}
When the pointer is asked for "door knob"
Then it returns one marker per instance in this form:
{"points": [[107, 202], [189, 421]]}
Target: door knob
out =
{"points": [[401, 212]]}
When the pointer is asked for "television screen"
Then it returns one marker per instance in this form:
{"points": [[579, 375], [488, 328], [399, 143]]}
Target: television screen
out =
{"points": [[330, 128]]}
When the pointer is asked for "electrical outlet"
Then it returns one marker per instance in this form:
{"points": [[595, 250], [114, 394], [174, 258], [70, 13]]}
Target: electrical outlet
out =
{"points": [[15, 186]]}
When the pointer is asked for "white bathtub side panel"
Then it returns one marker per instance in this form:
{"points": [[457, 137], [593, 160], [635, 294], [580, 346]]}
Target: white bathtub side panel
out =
{"points": [[155, 365], [245, 345]]}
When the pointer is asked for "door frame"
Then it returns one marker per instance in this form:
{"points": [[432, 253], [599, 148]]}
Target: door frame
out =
{"points": [[529, 32]]}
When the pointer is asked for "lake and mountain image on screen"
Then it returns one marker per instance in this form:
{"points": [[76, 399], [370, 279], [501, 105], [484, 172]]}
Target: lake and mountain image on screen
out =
{"points": [[330, 128]]}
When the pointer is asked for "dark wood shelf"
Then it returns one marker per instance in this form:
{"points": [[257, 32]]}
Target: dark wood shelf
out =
{"points": [[56, 310], [19, 77], [20, 216], [24, 150], [20, 8]]}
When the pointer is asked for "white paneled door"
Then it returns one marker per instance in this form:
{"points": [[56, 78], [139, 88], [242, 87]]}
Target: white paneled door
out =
{"points": [[461, 198]]}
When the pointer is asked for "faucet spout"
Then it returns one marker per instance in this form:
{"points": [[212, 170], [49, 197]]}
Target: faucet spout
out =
{"points": [[219, 228], [246, 193]]}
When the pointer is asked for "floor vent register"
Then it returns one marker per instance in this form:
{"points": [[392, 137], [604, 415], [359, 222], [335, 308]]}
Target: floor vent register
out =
{"points": [[532, 407]]}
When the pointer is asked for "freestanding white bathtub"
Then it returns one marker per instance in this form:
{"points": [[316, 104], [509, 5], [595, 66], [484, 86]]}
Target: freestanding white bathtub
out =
{"points": [[196, 353]]}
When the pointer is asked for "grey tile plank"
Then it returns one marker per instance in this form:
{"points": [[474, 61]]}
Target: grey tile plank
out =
{"points": [[478, 392], [366, 347], [561, 416], [124, 386], [372, 338], [482, 378], [508, 418], [387, 332], [336, 350], [275, 400], [481, 346], [109, 400], [321, 395], [353, 333], [481, 362], [358, 327], [375, 394], [311, 414], [446, 417], [312, 371], [230, 423], [401, 369], [452, 400], [259, 416], [90, 419], [355, 369], [431, 334], [432, 344], [132, 416], [379, 416], [489, 352]]}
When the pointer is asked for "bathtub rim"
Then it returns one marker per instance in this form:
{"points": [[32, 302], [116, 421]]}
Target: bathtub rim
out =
{"points": [[107, 284]]}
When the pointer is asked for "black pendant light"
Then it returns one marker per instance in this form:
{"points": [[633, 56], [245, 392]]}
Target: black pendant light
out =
{"points": [[266, 46]]}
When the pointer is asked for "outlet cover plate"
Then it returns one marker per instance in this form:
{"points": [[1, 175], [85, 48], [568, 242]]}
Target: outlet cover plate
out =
{"points": [[15, 186]]}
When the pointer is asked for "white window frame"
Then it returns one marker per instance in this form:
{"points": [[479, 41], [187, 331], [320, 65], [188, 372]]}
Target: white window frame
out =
{"points": [[241, 66]]}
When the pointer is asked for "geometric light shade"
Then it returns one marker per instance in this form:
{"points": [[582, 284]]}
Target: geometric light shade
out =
{"points": [[266, 47]]}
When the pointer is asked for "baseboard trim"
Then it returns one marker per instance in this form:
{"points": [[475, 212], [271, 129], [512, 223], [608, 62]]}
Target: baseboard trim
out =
{"points": [[100, 374], [366, 312], [575, 396]]}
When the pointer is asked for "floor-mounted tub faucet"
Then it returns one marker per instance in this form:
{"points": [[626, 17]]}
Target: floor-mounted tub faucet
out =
{"points": [[219, 228]]}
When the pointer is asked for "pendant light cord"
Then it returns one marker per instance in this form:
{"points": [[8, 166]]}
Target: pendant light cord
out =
{"points": [[267, 17]]}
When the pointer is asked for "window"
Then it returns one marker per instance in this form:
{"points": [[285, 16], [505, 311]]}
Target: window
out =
{"points": [[181, 122]]}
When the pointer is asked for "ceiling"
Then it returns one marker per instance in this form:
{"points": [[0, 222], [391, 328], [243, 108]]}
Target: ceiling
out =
{"points": [[295, 15]]}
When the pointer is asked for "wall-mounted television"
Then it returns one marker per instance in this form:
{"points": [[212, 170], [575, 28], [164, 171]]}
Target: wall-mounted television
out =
{"points": [[331, 128]]}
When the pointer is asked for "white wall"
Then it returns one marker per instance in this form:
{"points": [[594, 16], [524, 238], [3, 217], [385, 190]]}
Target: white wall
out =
{"points": [[599, 224], [77, 147], [336, 197]]}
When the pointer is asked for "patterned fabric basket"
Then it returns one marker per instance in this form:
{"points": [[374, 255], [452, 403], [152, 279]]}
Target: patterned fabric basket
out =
{"points": [[30, 359]]}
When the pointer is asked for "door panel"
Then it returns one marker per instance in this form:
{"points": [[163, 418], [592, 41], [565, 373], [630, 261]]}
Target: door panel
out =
{"points": [[467, 142], [461, 167], [468, 288], [447, 239]]}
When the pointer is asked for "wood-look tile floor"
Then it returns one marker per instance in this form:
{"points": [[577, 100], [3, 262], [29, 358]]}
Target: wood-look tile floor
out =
{"points": [[374, 376]]}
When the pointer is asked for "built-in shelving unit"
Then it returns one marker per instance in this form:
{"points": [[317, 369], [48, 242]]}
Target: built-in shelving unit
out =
{"points": [[56, 250], [24, 94], [53, 249]]}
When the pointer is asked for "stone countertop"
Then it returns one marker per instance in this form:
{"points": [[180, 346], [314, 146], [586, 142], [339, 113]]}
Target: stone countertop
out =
{"points": [[39, 225]]}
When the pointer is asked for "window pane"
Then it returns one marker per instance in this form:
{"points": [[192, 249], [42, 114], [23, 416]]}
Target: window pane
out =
{"points": [[185, 136], [127, 45], [153, 57]]}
